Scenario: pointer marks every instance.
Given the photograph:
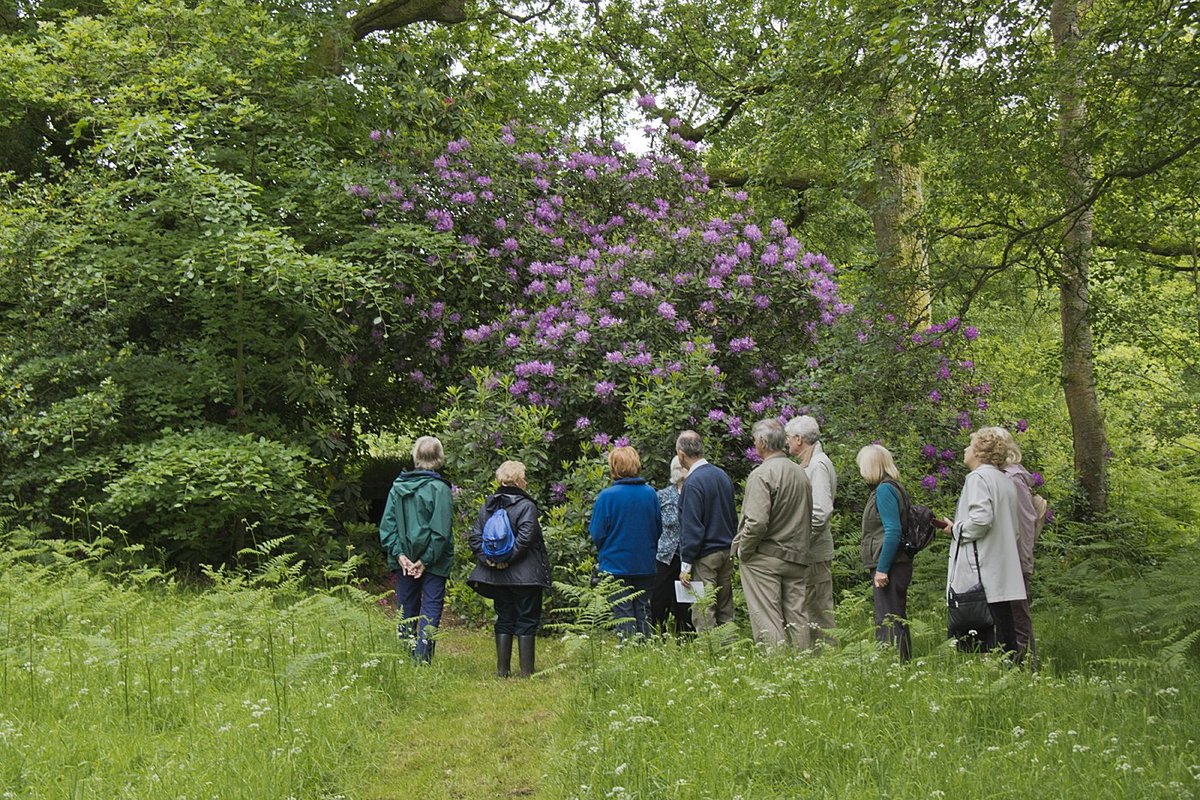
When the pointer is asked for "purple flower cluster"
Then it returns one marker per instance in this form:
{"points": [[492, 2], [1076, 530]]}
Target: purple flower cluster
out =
{"points": [[741, 344], [528, 368], [610, 288]]}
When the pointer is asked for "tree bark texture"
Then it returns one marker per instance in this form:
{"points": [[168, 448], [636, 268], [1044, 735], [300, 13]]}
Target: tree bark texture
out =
{"points": [[1078, 367], [895, 203]]}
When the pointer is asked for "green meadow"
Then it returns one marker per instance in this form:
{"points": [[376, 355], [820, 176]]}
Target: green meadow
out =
{"points": [[126, 684]]}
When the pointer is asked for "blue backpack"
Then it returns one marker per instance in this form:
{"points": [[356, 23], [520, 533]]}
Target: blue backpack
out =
{"points": [[498, 539]]}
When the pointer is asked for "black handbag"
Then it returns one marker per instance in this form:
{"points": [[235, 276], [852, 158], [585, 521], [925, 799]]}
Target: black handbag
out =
{"points": [[968, 615]]}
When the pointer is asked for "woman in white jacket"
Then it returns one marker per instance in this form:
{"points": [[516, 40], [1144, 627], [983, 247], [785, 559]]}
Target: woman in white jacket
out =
{"points": [[985, 530]]}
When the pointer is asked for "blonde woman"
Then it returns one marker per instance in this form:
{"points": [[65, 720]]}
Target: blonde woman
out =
{"points": [[662, 599], [985, 528], [514, 583], [882, 554]]}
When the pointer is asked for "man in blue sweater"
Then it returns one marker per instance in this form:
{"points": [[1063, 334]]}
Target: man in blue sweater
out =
{"points": [[707, 522]]}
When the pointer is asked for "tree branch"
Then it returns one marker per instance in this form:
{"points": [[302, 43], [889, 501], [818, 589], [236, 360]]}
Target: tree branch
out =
{"points": [[1025, 237], [1165, 249], [388, 15], [737, 178], [523, 18]]}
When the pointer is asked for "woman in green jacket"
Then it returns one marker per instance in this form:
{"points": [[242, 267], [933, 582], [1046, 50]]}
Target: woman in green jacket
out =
{"points": [[416, 534]]}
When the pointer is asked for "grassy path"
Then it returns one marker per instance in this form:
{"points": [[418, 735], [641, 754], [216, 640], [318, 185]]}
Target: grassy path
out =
{"points": [[469, 734]]}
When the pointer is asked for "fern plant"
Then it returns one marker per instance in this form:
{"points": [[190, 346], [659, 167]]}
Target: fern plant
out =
{"points": [[588, 613]]}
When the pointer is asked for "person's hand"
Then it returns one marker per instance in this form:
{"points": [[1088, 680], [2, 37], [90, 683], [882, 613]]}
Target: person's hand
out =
{"points": [[418, 569], [945, 524], [406, 565], [685, 576], [881, 580]]}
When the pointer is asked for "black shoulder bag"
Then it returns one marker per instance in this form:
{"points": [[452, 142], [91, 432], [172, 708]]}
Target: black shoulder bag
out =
{"points": [[969, 617]]}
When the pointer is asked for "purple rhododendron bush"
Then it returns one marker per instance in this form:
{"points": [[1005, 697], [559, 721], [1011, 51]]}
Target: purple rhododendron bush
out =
{"points": [[578, 297]]}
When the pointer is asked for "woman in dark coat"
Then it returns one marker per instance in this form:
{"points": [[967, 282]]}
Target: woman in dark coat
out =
{"points": [[514, 583]]}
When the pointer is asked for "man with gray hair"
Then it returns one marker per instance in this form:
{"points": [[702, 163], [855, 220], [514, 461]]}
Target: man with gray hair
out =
{"points": [[706, 524], [773, 540], [416, 535], [804, 442]]}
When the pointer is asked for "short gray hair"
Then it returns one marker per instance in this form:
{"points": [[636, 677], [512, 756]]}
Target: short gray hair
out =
{"points": [[805, 427], [690, 444], [678, 472], [428, 453], [769, 434]]}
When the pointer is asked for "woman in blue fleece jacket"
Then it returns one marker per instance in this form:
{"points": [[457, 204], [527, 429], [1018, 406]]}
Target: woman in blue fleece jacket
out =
{"points": [[890, 564], [626, 525]]}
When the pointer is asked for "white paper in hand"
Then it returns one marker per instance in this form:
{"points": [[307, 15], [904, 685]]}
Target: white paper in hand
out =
{"points": [[686, 594]]}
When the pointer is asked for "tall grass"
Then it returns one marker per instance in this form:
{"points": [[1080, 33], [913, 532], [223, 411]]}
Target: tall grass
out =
{"points": [[117, 683], [135, 688], [697, 721]]}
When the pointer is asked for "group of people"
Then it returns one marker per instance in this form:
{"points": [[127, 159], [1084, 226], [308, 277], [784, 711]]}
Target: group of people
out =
{"points": [[995, 525], [690, 532], [416, 534]]}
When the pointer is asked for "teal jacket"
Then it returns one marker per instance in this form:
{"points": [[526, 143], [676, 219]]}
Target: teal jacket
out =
{"points": [[417, 522]]}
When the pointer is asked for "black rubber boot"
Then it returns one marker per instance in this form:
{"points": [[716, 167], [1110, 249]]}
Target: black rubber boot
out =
{"points": [[503, 654], [526, 645]]}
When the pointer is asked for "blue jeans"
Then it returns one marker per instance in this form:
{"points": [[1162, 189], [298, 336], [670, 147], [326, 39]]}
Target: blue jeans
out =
{"points": [[420, 602], [633, 612]]}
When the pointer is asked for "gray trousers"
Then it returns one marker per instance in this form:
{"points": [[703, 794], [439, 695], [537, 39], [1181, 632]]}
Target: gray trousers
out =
{"points": [[774, 591], [716, 571], [817, 611]]}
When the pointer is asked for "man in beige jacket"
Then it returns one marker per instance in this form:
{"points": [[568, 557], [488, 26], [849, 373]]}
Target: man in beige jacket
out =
{"points": [[773, 540]]}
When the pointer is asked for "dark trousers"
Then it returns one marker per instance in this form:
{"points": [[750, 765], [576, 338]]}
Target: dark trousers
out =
{"points": [[518, 609], [632, 612], [1002, 634], [1023, 627], [420, 602], [662, 599], [891, 608]]}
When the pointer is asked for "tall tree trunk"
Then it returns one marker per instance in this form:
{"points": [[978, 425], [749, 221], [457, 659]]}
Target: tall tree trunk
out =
{"points": [[1078, 368], [895, 204]]}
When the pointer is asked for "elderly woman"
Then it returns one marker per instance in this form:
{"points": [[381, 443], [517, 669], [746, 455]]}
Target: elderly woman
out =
{"points": [[626, 526], [667, 562], [416, 535], [515, 582], [889, 563], [1027, 534], [985, 529]]}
